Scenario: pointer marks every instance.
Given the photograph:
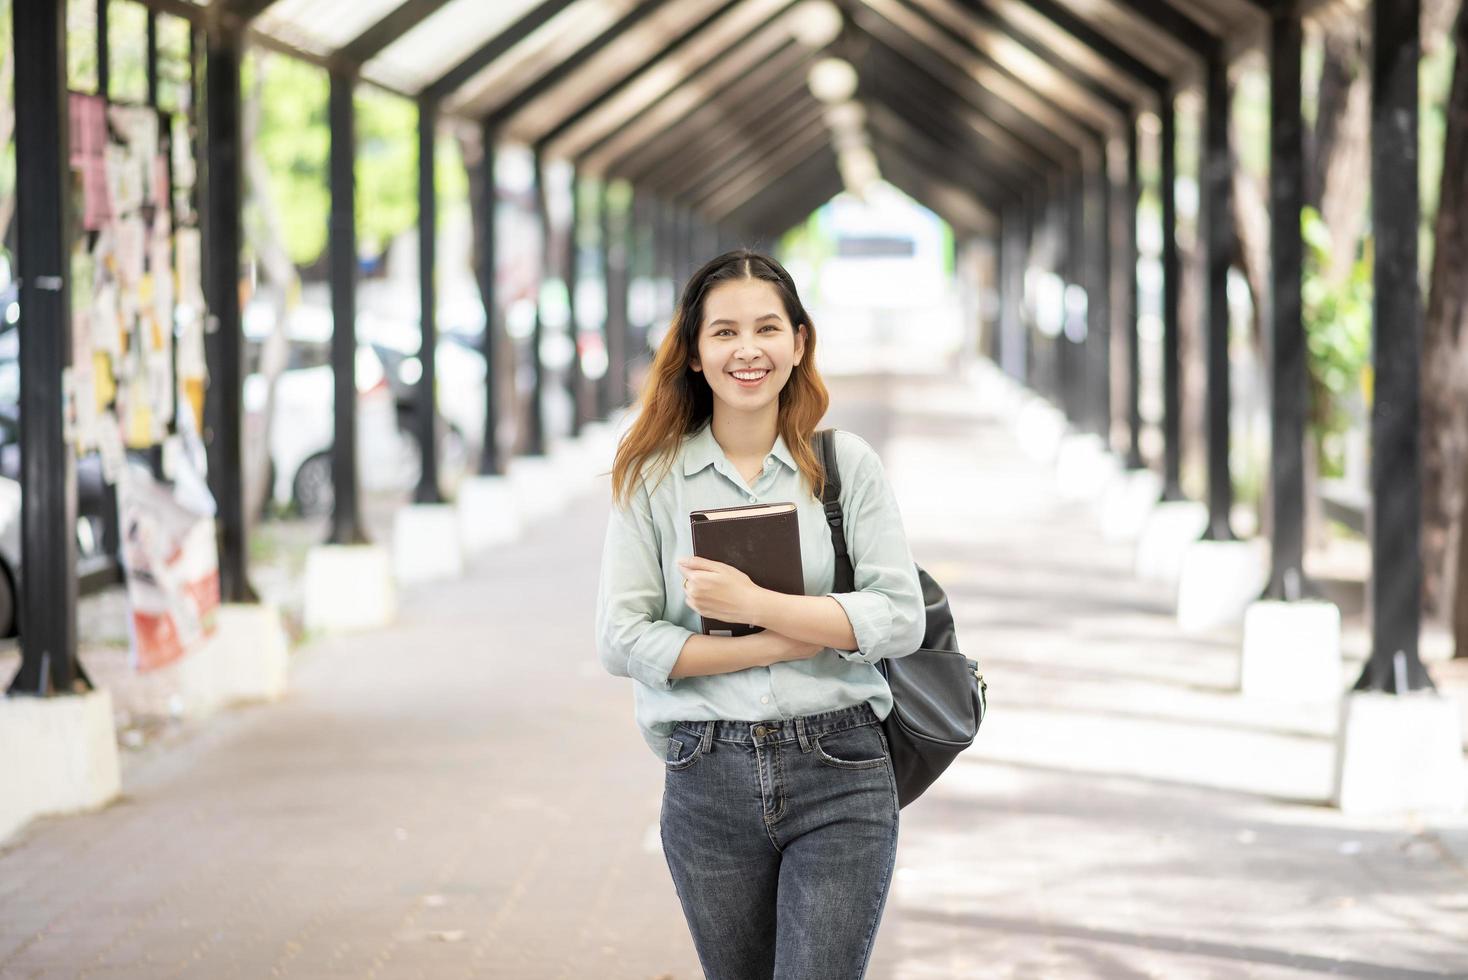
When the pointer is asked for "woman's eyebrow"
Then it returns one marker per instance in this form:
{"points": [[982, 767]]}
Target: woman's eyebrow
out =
{"points": [[767, 316]]}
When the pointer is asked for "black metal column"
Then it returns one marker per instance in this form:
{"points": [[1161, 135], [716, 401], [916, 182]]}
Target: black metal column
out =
{"points": [[346, 516], [1171, 359], [1287, 367], [1396, 452], [425, 407], [486, 200], [1131, 255], [47, 603], [535, 443], [223, 340], [1075, 381], [1098, 332], [615, 259], [575, 379], [1218, 227]]}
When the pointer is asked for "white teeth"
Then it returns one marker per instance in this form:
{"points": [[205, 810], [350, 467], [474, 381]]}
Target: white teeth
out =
{"points": [[749, 375]]}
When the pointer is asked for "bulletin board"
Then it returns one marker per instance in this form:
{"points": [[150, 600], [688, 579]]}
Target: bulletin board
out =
{"points": [[137, 296]]}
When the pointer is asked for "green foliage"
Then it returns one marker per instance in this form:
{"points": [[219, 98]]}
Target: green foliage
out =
{"points": [[1337, 318], [295, 142], [387, 168]]}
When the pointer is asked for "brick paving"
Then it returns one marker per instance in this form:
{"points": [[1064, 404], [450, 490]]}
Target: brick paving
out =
{"points": [[465, 794]]}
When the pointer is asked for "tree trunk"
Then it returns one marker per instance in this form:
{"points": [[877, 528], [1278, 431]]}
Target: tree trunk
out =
{"points": [[1445, 370], [1339, 151], [267, 240]]}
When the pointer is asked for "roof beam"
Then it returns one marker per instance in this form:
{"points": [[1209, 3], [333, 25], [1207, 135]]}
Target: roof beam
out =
{"points": [[1022, 100], [1023, 126], [397, 22], [959, 96], [1062, 17], [815, 168], [934, 192], [563, 69], [934, 110], [1077, 104], [728, 192], [994, 187], [502, 42], [1176, 24], [709, 122], [980, 12], [620, 139], [731, 136], [242, 10], [933, 156], [606, 95]]}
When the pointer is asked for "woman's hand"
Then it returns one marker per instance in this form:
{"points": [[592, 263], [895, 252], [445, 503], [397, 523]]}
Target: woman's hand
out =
{"points": [[719, 591]]}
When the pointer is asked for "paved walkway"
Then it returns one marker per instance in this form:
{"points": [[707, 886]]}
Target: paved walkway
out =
{"points": [[465, 794]]}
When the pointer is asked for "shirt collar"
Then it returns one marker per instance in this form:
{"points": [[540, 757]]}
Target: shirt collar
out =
{"points": [[702, 449]]}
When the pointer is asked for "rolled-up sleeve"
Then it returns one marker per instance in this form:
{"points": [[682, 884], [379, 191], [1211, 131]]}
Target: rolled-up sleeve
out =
{"points": [[632, 638], [886, 610]]}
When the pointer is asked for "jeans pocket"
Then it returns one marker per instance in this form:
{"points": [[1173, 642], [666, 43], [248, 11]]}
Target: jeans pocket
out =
{"points": [[684, 748], [852, 748]]}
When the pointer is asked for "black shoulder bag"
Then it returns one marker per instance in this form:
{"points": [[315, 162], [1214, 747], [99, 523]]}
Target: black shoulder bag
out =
{"points": [[938, 694]]}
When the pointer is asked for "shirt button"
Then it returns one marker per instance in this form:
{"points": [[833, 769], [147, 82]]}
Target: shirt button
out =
{"points": [[764, 700], [753, 499]]}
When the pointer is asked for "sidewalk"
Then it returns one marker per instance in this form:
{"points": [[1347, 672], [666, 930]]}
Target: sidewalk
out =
{"points": [[466, 795]]}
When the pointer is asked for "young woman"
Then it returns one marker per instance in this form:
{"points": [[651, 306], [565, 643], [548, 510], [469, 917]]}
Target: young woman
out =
{"points": [[779, 816]]}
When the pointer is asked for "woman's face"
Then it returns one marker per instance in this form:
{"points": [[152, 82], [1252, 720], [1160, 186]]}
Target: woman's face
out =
{"points": [[745, 334]]}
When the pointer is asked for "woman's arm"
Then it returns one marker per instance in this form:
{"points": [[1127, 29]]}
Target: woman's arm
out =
{"points": [[813, 618], [703, 655]]}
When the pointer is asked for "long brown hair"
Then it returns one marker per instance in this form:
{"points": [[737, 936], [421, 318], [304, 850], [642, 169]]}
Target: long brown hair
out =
{"points": [[677, 400]]}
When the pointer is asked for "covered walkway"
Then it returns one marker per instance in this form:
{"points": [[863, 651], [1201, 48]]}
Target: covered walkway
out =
{"points": [[464, 794]]}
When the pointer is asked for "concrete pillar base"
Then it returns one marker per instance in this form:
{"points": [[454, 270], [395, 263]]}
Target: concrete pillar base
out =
{"points": [[1292, 651], [247, 659], [1039, 428], [1083, 468], [1398, 753], [348, 587], [487, 513], [425, 544], [539, 486], [1128, 503], [1172, 528], [57, 755], [1219, 580]]}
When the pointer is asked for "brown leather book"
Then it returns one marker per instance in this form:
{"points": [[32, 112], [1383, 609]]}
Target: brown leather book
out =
{"points": [[761, 540]]}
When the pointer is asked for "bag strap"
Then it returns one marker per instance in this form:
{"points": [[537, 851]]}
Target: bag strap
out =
{"points": [[831, 498]]}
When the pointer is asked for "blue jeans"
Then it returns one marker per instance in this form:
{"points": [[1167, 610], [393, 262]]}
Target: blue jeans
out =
{"points": [[781, 836]]}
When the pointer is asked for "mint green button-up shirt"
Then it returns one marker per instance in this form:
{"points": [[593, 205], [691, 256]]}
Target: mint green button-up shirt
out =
{"points": [[642, 619]]}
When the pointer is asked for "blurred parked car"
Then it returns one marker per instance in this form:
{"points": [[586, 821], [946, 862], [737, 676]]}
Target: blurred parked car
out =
{"points": [[459, 395], [304, 416], [92, 502]]}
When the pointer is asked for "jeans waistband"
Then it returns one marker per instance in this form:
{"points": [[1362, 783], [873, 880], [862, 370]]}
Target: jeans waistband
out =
{"points": [[797, 729]]}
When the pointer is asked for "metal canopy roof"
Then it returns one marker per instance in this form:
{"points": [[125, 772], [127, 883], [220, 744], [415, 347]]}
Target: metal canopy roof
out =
{"points": [[706, 101]]}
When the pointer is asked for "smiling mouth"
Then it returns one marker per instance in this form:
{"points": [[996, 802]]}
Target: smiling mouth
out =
{"points": [[748, 379]]}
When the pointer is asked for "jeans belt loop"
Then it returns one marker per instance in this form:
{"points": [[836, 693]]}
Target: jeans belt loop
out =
{"points": [[801, 735], [708, 736]]}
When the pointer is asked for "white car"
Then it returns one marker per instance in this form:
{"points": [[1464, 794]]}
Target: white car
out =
{"points": [[304, 417]]}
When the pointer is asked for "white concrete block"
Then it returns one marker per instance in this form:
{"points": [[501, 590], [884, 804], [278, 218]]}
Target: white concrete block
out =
{"points": [[247, 659], [426, 546], [1292, 651], [57, 755], [1171, 529], [1219, 580], [1084, 468], [539, 487], [348, 587], [1399, 752], [488, 515], [1127, 504], [1039, 427]]}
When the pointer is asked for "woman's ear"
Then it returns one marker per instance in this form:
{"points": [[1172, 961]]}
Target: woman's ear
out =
{"points": [[800, 337]]}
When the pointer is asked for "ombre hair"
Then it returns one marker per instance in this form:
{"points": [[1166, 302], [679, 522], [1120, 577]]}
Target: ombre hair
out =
{"points": [[677, 400]]}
